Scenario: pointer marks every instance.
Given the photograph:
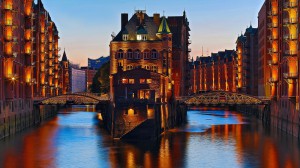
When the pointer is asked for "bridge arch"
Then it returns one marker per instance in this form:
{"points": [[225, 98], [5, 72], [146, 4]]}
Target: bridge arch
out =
{"points": [[75, 98], [221, 98]]}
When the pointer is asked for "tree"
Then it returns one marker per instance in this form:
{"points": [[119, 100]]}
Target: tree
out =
{"points": [[101, 79]]}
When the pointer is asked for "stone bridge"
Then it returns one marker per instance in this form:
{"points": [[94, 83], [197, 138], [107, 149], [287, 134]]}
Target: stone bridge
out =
{"points": [[74, 98], [222, 98]]}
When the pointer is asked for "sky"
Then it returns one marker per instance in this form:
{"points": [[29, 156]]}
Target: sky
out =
{"points": [[85, 26]]}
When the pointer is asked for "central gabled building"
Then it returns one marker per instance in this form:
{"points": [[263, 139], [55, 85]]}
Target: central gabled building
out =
{"points": [[149, 43], [147, 61]]}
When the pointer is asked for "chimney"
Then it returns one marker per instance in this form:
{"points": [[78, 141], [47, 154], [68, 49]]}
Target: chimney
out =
{"points": [[124, 20], [156, 18]]}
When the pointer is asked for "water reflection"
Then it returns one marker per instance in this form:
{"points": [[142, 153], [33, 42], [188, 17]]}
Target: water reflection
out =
{"points": [[212, 138]]}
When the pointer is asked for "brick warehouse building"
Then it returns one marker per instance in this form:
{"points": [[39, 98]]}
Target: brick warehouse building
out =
{"points": [[141, 44], [283, 54], [214, 73], [148, 64], [28, 59], [247, 59]]}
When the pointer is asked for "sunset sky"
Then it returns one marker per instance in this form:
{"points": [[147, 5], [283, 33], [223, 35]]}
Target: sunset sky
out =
{"points": [[85, 26]]}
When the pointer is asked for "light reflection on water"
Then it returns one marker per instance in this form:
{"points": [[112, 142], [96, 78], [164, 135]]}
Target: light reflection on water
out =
{"points": [[214, 138]]}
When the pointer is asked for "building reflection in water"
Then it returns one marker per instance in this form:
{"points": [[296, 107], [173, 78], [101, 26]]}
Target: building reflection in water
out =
{"points": [[226, 141]]}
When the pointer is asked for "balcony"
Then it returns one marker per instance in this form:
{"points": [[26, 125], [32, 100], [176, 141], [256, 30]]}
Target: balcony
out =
{"points": [[290, 75], [8, 6], [290, 5], [289, 21], [290, 53], [189, 50], [272, 38], [272, 25], [272, 13], [290, 37], [8, 22], [272, 80], [272, 51], [271, 62]]}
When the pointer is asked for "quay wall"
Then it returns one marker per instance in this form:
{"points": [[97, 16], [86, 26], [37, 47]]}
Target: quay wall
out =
{"points": [[284, 117], [18, 115], [133, 120]]}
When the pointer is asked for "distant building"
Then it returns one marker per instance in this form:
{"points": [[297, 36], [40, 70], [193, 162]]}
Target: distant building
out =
{"points": [[247, 52], [264, 58], [97, 63], [90, 74], [65, 77], [214, 73], [78, 80]]}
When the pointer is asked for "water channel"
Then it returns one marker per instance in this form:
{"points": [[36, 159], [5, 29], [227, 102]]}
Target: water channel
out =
{"points": [[212, 138]]}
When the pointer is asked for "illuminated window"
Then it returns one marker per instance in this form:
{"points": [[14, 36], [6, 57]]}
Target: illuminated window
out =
{"points": [[142, 81], [147, 67], [154, 54], [154, 68], [129, 67], [139, 37], [137, 54], [131, 112], [125, 37], [125, 81], [131, 81], [144, 37], [149, 81], [129, 54], [146, 54]]}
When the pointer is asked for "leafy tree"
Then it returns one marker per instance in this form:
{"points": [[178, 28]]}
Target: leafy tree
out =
{"points": [[101, 80]]}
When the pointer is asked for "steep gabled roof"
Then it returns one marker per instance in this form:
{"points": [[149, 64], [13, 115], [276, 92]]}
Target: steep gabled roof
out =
{"points": [[164, 27], [64, 58], [141, 30], [134, 26]]}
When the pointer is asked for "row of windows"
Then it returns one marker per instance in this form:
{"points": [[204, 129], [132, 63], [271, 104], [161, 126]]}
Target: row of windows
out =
{"points": [[137, 54], [151, 68], [132, 81], [139, 37]]}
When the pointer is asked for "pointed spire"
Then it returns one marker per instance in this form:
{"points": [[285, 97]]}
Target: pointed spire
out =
{"points": [[164, 27], [64, 58]]}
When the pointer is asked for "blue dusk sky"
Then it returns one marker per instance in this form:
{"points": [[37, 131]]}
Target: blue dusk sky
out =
{"points": [[85, 26]]}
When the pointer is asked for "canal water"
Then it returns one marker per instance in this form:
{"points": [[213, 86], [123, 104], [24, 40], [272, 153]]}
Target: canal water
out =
{"points": [[211, 138]]}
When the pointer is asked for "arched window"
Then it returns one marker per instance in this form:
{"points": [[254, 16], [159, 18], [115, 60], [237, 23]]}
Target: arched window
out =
{"points": [[154, 68], [146, 54], [137, 54], [154, 54], [129, 67], [120, 54], [129, 54]]}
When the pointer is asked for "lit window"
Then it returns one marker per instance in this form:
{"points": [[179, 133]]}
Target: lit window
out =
{"points": [[139, 37], [129, 67], [142, 81], [144, 37], [131, 81], [125, 37], [124, 81], [154, 68], [149, 81]]}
